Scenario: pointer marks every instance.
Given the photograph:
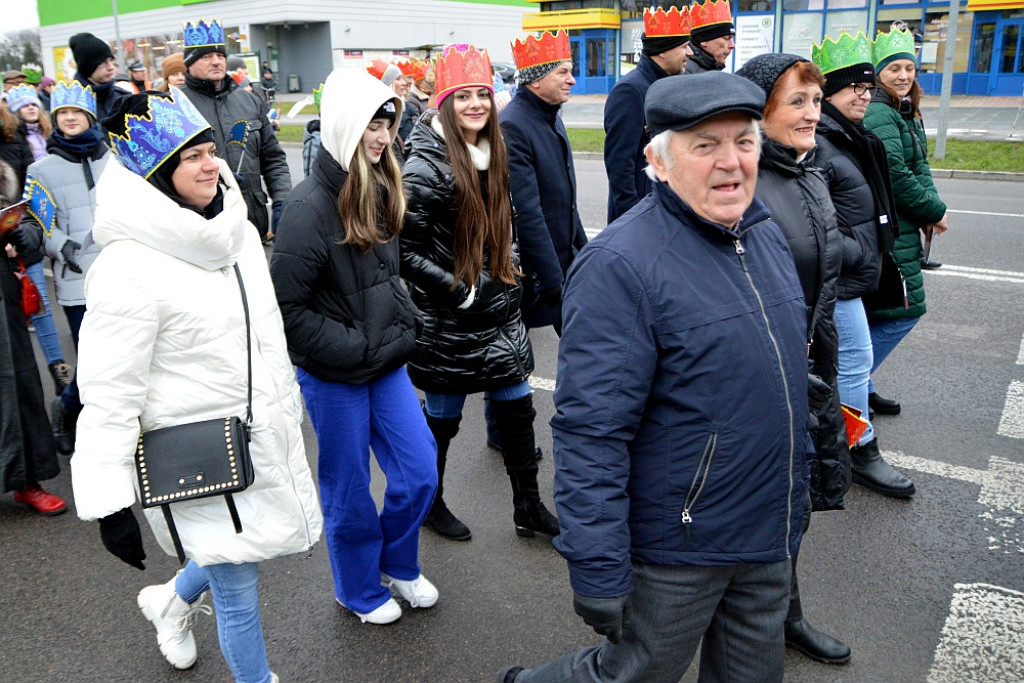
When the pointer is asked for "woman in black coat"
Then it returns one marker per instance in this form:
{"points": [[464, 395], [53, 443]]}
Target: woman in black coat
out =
{"points": [[458, 257], [797, 196]]}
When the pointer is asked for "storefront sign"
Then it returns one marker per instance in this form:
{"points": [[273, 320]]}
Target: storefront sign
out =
{"points": [[982, 5], [755, 35]]}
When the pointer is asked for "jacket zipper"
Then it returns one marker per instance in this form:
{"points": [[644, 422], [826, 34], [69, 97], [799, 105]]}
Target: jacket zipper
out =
{"points": [[740, 251], [703, 469]]}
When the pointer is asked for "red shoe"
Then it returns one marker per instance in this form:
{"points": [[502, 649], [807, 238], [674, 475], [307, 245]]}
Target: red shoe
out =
{"points": [[41, 501]]}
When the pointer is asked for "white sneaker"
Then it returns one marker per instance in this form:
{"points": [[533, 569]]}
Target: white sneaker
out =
{"points": [[418, 593], [385, 614], [172, 618]]}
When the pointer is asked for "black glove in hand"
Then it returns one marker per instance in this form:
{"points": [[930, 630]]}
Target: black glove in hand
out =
{"points": [[122, 537], [818, 393], [607, 616], [26, 239], [68, 253]]}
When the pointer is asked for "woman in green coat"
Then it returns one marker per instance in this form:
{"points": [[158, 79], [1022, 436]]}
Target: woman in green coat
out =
{"points": [[895, 118]]}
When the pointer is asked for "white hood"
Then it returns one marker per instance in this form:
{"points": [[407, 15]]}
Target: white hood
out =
{"points": [[129, 208], [348, 101]]}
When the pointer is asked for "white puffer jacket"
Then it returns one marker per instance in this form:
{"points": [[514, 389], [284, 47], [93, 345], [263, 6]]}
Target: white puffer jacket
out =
{"points": [[163, 343]]}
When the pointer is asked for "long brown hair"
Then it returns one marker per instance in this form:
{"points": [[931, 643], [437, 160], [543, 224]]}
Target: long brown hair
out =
{"points": [[44, 122], [913, 97], [371, 202], [479, 227], [9, 122]]}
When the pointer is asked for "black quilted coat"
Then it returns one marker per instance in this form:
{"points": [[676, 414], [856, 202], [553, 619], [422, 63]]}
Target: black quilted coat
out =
{"points": [[460, 351]]}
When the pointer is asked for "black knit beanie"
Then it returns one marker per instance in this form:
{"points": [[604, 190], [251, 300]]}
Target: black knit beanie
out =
{"points": [[840, 78], [658, 44], [706, 33], [89, 52], [194, 53], [765, 69]]}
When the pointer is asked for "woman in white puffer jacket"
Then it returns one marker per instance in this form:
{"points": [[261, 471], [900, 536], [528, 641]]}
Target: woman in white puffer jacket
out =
{"points": [[164, 343]]}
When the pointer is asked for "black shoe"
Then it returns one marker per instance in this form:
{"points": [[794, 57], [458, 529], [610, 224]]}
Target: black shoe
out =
{"points": [[532, 520], [63, 427], [929, 264], [509, 675], [869, 469], [812, 643], [883, 406], [442, 522]]}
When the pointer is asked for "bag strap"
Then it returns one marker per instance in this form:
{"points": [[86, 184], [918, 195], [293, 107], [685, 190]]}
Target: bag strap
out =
{"points": [[174, 533], [248, 354]]}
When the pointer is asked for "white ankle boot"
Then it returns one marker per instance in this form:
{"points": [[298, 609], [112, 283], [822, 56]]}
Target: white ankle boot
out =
{"points": [[172, 617], [418, 593]]}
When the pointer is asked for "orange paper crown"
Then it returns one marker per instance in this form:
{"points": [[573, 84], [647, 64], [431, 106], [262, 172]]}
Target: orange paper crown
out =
{"points": [[661, 24], [407, 67], [710, 13], [377, 68], [461, 66], [550, 47], [416, 68]]}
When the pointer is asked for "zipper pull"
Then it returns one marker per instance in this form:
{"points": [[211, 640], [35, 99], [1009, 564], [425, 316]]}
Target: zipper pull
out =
{"points": [[687, 520], [739, 247]]}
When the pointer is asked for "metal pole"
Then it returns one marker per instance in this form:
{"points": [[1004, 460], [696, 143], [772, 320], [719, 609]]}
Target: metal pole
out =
{"points": [[117, 37], [947, 80]]}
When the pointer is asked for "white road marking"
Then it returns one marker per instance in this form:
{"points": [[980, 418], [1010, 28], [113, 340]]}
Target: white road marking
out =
{"points": [[983, 274], [1011, 424], [986, 213], [1020, 354], [981, 638], [542, 384]]}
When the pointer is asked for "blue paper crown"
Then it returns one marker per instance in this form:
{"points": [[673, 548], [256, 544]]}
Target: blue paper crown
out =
{"points": [[153, 138], [22, 92], [73, 94], [203, 35]]}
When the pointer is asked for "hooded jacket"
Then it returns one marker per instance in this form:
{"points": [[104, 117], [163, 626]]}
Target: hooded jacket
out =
{"points": [[164, 343], [347, 315], [916, 201], [484, 346], [701, 61]]}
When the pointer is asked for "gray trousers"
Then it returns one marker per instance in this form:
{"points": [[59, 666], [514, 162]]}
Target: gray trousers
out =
{"points": [[737, 610]]}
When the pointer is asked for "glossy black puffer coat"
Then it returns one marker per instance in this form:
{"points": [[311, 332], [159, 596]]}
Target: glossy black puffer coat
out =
{"points": [[460, 351]]}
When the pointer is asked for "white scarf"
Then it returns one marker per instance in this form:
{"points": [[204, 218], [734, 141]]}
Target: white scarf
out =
{"points": [[480, 153]]}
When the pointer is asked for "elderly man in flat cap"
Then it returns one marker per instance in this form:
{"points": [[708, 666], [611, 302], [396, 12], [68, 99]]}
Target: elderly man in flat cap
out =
{"points": [[680, 429]]}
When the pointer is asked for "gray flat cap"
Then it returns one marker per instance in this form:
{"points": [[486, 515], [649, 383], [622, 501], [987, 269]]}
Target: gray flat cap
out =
{"points": [[681, 102]]}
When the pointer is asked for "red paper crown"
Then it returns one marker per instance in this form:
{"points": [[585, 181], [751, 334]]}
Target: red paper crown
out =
{"points": [[461, 66], [377, 68], [710, 13], [661, 24], [416, 68], [408, 67], [550, 47]]}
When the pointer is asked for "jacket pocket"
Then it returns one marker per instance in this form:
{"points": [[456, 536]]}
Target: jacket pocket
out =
{"points": [[700, 479]]}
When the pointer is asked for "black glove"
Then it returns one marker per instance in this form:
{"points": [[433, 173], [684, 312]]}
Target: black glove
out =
{"points": [[67, 252], [26, 238], [550, 297], [818, 393], [122, 537], [607, 616], [275, 217]]}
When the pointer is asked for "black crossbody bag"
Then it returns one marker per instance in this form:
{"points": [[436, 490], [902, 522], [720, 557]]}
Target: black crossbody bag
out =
{"points": [[198, 459]]}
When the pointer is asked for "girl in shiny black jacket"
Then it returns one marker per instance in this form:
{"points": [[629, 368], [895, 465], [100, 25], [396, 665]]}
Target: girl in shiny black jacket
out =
{"points": [[458, 257]]}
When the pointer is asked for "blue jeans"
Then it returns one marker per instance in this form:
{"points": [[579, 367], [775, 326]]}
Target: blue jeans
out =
{"points": [[70, 398], [885, 335], [46, 330], [737, 610], [236, 600], [349, 420], [855, 356], [442, 406]]}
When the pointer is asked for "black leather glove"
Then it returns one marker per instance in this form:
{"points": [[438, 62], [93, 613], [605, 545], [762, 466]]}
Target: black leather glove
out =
{"points": [[818, 393], [122, 537], [607, 616], [26, 238], [67, 252], [550, 297], [275, 216]]}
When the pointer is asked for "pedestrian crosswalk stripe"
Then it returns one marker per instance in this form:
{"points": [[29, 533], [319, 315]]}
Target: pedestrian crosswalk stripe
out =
{"points": [[981, 638]]}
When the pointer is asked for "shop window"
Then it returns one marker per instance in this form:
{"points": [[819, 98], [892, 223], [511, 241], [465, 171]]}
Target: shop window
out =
{"points": [[798, 5], [1009, 56], [982, 58], [756, 5], [887, 19], [597, 64], [933, 52], [850, 21], [847, 4], [799, 31]]}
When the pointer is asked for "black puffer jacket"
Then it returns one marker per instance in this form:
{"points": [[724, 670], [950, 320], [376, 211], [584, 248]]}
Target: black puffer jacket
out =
{"points": [[460, 351], [860, 215], [797, 196], [346, 314]]}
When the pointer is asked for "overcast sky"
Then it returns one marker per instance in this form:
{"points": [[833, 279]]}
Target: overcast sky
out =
{"points": [[19, 14]]}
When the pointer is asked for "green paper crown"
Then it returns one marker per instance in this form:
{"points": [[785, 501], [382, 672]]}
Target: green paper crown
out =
{"points": [[892, 43], [833, 55], [317, 93], [33, 73]]}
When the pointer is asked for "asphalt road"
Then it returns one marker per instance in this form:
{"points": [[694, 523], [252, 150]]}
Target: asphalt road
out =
{"points": [[930, 589]]}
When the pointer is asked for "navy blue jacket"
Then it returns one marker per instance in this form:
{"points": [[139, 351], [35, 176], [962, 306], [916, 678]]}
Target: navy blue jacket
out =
{"points": [[626, 137], [543, 183], [680, 433]]}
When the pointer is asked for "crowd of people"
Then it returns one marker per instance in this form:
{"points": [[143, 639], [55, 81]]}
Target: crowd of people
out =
{"points": [[437, 224]]}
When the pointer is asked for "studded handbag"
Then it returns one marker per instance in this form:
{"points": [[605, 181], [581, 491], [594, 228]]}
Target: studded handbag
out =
{"points": [[198, 459]]}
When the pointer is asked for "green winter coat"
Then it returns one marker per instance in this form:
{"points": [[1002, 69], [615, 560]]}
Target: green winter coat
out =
{"points": [[917, 201]]}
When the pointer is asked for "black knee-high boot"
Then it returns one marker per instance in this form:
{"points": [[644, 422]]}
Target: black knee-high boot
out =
{"points": [[806, 639], [440, 519], [518, 449]]}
